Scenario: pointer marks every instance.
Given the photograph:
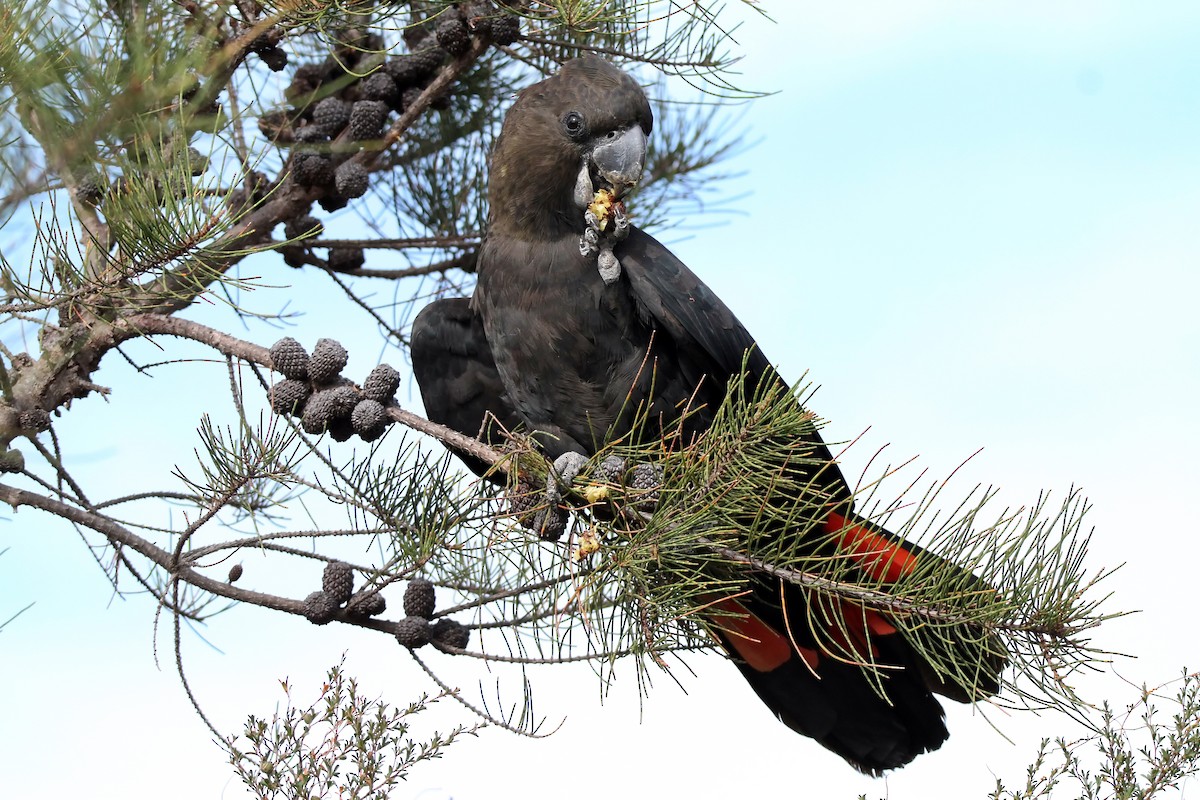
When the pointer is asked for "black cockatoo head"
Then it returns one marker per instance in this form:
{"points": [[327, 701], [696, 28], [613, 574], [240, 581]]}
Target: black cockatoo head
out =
{"points": [[578, 131]]}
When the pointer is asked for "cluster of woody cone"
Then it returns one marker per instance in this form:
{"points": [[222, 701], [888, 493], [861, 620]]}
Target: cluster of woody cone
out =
{"points": [[415, 630], [324, 127], [314, 390], [344, 103], [337, 590]]}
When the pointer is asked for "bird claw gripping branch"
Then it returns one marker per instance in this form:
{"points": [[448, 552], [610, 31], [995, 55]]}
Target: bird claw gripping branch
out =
{"points": [[551, 522], [565, 468]]}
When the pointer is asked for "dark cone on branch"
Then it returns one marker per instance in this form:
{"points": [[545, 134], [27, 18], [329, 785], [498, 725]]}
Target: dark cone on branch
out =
{"points": [[610, 470], [366, 603], [293, 255], [534, 513], [276, 58], [381, 384], [345, 397], [319, 412], [289, 396], [504, 29], [331, 115], [319, 608], [337, 581], [419, 600], [346, 259], [267, 40], [549, 524], [257, 187], [522, 502], [410, 96], [367, 118], [448, 633], [306, 226], [329, 358], [11, 461], [453, 36], [644, 481], [379, 86], [332, 202], [369, 420], [235, 572], [413, 632], [413, 68], [311, 134], [340, 429], [289, 359], [312, 169], [196, 162], [351, 179], [89, 190]]}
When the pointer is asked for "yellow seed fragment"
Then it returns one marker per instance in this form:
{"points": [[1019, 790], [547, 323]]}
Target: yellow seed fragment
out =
{"points": [[588, 543], [601, 206], [595, 492]]}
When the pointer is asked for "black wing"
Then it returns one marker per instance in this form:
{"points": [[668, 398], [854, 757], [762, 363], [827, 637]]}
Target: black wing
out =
{"points": [[459, 383], [684, 307], [681, 305]]}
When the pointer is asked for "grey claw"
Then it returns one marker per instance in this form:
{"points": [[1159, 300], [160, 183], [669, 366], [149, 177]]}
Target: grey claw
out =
{"points": [[608, 265], [565, 468], [589, 242], [551, 521], [620, 223]]}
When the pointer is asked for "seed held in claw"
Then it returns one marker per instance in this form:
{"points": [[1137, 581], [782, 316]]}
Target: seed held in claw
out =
{"points": [[603, 204]]}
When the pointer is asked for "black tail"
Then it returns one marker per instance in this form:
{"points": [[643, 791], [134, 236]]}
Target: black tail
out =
{"points": [[806, 657]]}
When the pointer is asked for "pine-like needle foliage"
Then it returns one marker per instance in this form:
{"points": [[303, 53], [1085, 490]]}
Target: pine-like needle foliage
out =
{"points": [[641, 576]]}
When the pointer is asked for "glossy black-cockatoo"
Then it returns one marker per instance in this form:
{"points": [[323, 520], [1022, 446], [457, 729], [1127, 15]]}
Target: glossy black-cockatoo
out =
{"points": [[579, 320]]}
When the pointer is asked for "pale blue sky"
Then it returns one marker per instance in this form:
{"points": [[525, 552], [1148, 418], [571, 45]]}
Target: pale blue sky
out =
{"points": [[974, 224]]}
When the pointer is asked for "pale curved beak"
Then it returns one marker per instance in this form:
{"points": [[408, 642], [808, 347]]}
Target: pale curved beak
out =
{"points": [[620, 158]]}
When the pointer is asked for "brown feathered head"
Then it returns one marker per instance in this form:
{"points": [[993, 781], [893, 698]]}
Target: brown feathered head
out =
{"points": [[581, 130]]}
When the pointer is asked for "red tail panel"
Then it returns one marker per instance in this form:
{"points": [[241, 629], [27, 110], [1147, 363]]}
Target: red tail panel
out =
{"points": [[879, 557], [851, 627], [762, 647]]}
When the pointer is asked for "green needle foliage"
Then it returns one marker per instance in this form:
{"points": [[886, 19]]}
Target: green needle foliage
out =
{"points": [[644, 581]]}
